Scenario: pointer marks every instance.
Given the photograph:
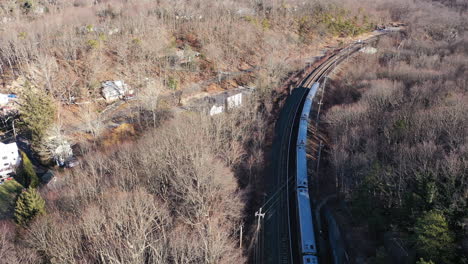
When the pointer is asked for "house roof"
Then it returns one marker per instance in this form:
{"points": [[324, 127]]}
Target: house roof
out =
{"points": [[114, 89], [8, 148], [119, 86], [4, 99]]}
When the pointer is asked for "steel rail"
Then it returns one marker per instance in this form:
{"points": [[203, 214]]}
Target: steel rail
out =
{"points": [[286, 130], [315, 76]]}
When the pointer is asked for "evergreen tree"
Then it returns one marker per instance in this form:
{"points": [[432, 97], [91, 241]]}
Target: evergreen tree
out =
{"points": [[422, 261], [29, 205], [27, 173], [37, 113], [433, 238]]}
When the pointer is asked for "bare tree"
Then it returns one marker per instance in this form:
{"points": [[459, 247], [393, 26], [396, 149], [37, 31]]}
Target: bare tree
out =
{"points": [[149, 97]]}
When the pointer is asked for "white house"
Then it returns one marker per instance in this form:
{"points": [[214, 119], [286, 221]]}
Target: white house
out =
{"points": [[234, 100], [216, 109], [227, 100], [114, 90], [9, 159], [4, 99]]}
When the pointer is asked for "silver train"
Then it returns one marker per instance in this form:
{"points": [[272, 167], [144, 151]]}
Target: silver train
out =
{"points": [[308, 246]]}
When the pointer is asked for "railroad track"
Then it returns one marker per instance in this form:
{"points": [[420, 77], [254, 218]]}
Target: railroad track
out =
{"points": [[278, 242]]}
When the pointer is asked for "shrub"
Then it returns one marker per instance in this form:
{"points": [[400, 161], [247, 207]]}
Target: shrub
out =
{"points": [[92, 43], [172, 83]]}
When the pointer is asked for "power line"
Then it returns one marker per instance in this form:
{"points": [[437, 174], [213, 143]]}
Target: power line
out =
{"points": [[275, 197]]}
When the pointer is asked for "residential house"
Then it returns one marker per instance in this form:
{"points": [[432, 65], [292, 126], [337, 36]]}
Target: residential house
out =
{"points": [[216, 109], [9, 159], [4, 99], [227, 100], [218, 103], [7, 103], [234, 100], [114, 90]]}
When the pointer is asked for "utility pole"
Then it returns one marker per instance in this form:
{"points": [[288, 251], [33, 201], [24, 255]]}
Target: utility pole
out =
{"points": [[318, 166], [321, 99], [260, 216], [324, 82], [240, 240], [318, 114], [258, 257]]}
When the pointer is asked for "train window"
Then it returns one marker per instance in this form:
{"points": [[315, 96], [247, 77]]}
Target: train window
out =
{"points": [[308, 260]]}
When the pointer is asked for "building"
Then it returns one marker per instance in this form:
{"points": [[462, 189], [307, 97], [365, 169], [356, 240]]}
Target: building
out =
{"points": [[7, 103], [216, 109], [214, 104], [9, 159], [7, 98], [227, 100], [4, 99], [234, 100], [114, 90]]}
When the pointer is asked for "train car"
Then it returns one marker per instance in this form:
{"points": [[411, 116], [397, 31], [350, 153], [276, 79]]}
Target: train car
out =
{"points": [[310, 260], [308, 245], [301, 160], [306, 226]]}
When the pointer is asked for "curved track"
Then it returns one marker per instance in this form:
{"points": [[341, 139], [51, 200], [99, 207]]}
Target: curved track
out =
{"points": [[280, 240]]}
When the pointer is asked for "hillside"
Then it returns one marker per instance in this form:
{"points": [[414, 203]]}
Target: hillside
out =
{"points": [[157, 179]]}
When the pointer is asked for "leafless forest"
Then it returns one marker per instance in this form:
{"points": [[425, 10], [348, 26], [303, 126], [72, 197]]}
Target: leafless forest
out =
{"points": [[75, 44], [399, 135], [178, 187]]}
